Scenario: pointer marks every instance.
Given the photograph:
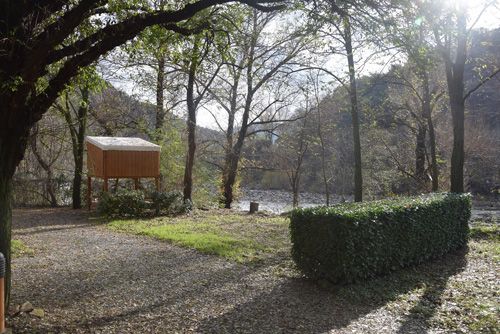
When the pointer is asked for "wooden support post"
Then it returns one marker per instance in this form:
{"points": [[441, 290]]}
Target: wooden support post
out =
{"points": [[89, 192], [136, 184], [157, 183], [2, 305], [105, 187], [2, 293]]}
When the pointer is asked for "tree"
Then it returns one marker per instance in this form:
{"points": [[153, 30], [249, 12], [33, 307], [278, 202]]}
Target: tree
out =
{"points": [[291, 150], [74, 105], [201, 63], [255, 82], [76, 119], [336, 15], [47, 161], [412, 38], [43, 48], [412, 100], [449, 25]]}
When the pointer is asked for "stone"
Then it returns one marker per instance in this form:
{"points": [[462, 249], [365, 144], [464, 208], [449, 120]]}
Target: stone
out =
{"points": [[26, 307], [38, 312]]}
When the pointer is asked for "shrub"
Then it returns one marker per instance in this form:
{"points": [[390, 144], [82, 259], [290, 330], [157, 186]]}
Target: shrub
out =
{"points": [[123, 203], [167, 202], [354, 241]]}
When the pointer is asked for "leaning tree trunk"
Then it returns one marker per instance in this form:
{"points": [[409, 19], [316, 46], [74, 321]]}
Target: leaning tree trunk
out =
{"points": [[47, 167], [358, 177], [432, 135], [420, 155], [51, 189], [232, 162], [233, 157], [229, 179]]}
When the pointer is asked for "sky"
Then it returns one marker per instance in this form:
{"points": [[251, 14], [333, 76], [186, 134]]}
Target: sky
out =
{"points": [[490, 19]]}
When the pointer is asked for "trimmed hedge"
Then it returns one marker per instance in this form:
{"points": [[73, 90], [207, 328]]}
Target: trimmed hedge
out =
{"points": [[132, 203], [354, 241], [169, 203], [123, 203]]}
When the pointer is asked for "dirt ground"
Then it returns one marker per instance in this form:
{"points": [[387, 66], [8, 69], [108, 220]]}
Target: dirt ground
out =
{"points": [[88, 279]]}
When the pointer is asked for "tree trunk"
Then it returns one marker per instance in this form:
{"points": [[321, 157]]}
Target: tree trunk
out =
{"points": [[46, 166], [77, 185], [420, 154], [191, 128], [5, 227], [160, 111], [50, 189], [79, 148], [230, 178], [458, 153], [295, 191], [358, 177], [323, 156], [427, 111], [12, 146], [455, 80]]}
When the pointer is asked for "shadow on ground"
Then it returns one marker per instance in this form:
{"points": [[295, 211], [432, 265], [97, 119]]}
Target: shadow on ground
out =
{"points": [[299, 306]]}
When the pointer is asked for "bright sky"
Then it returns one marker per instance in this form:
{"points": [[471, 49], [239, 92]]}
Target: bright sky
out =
{"points": [[490, 19]]}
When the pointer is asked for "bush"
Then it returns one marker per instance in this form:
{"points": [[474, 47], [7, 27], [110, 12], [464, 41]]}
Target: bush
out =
{"points": [[354, 241], [167, 202], [123, 203]]}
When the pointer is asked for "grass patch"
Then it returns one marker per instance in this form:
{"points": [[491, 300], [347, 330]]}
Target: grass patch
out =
{"points": [[234, 236], [19, 248]]}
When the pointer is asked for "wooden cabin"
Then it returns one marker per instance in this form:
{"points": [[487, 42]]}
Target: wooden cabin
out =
{"points": [[121, 157]]}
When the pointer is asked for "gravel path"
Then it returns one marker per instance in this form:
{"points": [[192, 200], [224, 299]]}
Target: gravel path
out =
{"points": [[92, 280]]}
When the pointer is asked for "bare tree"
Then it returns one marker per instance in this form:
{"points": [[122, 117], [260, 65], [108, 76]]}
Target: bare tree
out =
{"points": [[449, 25], [253, 88]]}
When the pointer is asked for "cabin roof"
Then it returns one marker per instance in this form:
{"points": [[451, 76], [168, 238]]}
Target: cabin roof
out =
{"points": [[122, 144]]}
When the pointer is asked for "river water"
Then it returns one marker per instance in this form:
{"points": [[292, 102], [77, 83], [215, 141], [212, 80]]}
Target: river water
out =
{"points": [[279, 201]]}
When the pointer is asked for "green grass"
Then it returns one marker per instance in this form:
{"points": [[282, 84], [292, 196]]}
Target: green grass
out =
{"points": [[238, 237], [19, 248]]}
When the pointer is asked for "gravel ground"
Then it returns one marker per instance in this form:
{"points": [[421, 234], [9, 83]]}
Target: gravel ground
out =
{"points": [[89, 279]]}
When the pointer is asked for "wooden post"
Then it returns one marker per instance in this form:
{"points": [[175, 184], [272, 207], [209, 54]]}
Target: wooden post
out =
{"points": [[136, 183], [89, 193], [2, 293], [105, 187], [157, 183], [254, 207]]}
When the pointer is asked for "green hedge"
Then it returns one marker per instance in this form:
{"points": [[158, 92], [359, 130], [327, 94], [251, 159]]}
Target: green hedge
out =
{"points": [[169, 203], [354, 241], [123, 203], [132, 203]]}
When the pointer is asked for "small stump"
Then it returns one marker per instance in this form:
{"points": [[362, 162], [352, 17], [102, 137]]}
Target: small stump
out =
{"points": [[254, 207]]}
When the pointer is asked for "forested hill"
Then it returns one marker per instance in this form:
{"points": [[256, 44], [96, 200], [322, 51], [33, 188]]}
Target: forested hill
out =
{"points": [[388, 155]]}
